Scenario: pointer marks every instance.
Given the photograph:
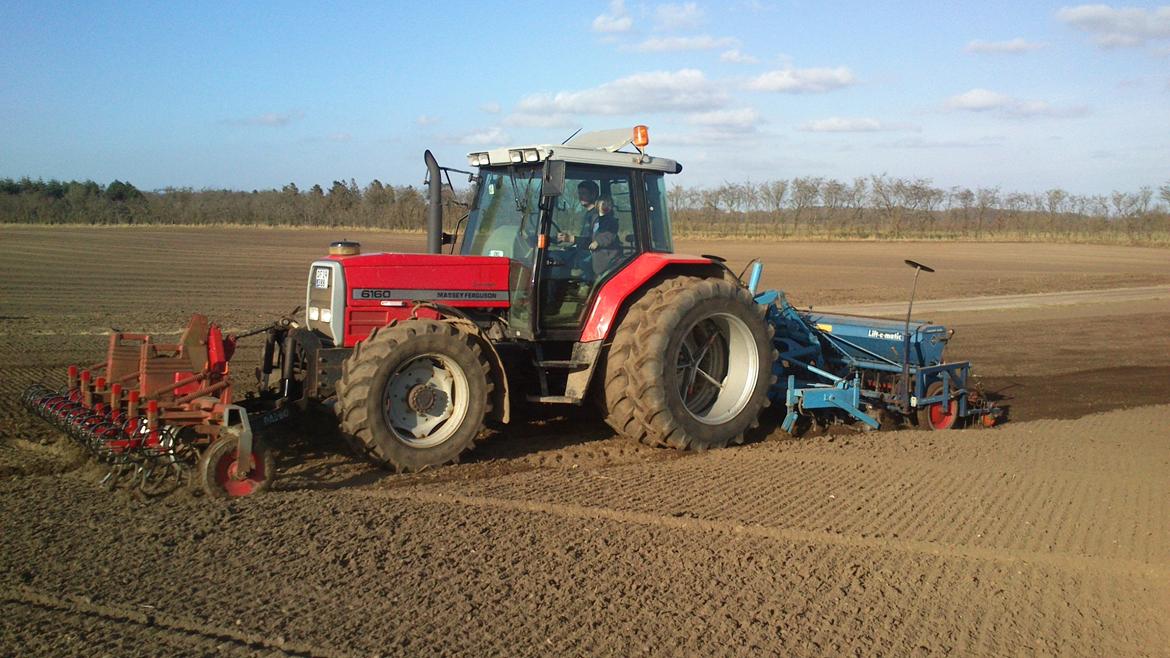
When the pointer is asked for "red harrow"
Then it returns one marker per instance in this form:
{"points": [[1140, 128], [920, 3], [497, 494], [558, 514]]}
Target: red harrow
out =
{"points": [[155, 412]]}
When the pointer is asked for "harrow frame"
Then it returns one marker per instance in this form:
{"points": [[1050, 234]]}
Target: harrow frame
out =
{"points": [[154, 411]]}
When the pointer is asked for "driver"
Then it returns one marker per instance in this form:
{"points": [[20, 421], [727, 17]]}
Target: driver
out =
{"points": [[587, 193]]}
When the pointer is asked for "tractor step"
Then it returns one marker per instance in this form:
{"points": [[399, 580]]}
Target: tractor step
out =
{"points": [[554, 399], [563, 365]]}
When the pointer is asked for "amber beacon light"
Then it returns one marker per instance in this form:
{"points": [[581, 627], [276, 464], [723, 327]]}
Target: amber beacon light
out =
{"points": [[641, 136]]}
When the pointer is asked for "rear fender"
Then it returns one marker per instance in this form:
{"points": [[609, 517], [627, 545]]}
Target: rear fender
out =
{"points": [[640, 273]]}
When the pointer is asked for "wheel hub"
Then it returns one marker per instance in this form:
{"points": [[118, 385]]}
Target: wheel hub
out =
{"points": [[422, 398]]}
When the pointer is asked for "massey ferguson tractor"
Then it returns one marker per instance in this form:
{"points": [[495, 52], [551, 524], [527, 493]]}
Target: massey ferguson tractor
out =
{"points": [[559, 286]]}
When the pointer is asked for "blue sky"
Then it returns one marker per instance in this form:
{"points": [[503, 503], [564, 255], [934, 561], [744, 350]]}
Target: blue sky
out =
{"points": [[1023, 95]]}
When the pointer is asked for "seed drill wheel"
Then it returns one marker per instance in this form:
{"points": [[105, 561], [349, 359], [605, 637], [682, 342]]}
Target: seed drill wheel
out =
{"points": [[694, 357], [940, 415], [414, 394], [219, 468]]}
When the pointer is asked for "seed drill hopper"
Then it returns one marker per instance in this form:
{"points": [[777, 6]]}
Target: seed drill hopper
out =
{"points": [[839, 368]]}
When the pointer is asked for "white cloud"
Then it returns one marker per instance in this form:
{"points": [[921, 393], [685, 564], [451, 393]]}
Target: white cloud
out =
{"points": [[704, 136], [800, 81], [744, 119], [920, 143], [985, 100], [850, 125], [617, 20], [1045, 109], [672, 16], [686, 90], [268, 119], [1116, 27], [540, 120], [493, 136], [675, 44], [426, 120], [1015, 46], [734, 56], [491, 107], [979, 100]]}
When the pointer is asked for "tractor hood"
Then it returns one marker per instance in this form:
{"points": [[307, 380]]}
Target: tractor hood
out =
{"points": [[368, 291]]}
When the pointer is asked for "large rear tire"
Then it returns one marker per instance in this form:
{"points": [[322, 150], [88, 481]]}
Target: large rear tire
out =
{"points": [[415, 394], [698, 365], [614, 396]]}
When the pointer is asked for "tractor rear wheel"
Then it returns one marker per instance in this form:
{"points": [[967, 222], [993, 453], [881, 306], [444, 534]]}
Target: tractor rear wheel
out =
{"points": [[699, 365], [415, 394], [615, 397]]}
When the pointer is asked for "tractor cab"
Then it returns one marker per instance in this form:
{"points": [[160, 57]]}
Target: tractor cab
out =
{"points": [[569, 218]]}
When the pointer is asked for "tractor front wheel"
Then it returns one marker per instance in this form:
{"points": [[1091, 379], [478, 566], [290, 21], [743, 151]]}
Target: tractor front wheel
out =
{"points": [[415, 394]]}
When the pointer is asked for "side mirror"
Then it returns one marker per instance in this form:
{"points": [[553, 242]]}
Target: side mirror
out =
{"points": [[552, 179]]}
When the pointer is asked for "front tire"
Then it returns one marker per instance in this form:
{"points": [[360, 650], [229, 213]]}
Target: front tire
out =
{"points": [[415, 394], [700, 365]]}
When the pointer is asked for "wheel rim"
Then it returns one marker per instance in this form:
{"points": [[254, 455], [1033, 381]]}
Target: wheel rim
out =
{"points": [[425, 400], [226, 469], [717, 366], [941, 415]]}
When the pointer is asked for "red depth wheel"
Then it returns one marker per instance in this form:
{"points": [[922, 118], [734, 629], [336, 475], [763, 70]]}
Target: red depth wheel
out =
{"points": [[940, 415], [219, 464]]}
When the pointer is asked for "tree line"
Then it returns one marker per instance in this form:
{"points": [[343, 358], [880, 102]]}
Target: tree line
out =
{"points": [[873, 207], [883, 206]]}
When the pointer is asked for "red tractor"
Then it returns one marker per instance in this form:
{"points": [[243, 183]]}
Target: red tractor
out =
{"points": [[563, 288]]}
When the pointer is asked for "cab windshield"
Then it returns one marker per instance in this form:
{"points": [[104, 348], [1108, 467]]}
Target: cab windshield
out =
{"points": [[504, 220]]}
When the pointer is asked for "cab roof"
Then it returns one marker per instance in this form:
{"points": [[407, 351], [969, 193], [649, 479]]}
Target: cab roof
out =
{"points": [[597, 148]]}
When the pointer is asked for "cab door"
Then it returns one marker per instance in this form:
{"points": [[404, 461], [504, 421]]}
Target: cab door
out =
{"points": [[591, 234]]}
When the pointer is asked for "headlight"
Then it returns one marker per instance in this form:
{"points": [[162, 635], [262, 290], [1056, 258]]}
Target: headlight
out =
{"points": [[315, 313], [326, 315]]}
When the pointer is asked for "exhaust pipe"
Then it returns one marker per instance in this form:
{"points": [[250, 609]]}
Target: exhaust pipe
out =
{"points": [[435, 205]]}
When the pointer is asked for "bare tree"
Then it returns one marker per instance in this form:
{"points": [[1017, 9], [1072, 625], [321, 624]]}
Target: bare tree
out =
{"points": [[833, 197], [855, 200], [804, 195], [774, 195], [962, 199], [986, 198], [885, 195]]}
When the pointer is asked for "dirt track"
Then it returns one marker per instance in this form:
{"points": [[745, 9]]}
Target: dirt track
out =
{"points": [[1048, 535]]}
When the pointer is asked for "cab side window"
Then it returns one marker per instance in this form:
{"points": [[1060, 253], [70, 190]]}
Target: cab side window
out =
{"points": [[659, 214]]}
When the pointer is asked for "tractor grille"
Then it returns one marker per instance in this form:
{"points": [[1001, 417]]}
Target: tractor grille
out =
{"points": [[325, 300]]}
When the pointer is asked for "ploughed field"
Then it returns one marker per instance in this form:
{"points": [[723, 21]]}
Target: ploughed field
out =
{"points": [[1050, 534]]}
